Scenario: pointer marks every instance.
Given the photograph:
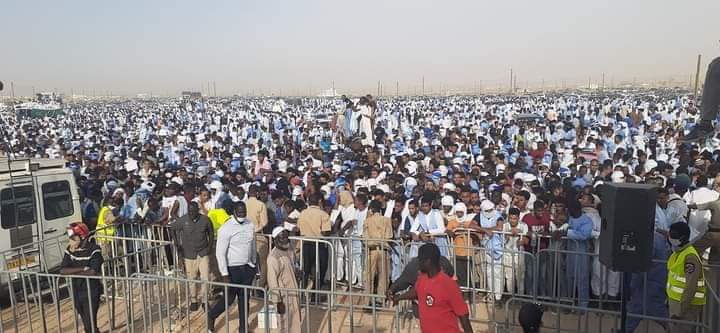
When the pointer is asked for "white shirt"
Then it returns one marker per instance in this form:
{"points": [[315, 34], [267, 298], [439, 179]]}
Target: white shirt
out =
{"points": [[699, 219], [511, 242], [360, 216], [235, 245], [436, 228]]}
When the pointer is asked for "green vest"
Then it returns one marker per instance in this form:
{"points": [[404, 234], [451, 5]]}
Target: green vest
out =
{"points": [[676, 277], [102, 228]]}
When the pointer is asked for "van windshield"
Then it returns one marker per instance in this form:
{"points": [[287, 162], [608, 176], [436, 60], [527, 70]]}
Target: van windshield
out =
{"points": [[23, 204]]}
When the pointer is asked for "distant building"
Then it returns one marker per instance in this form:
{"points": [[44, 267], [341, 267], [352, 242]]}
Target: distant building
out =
{"points": [[191, 96], [329, 93]]}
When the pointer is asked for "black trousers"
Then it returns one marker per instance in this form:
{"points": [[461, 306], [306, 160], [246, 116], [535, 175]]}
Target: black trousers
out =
{"points": [[310, 251], [711, 91], [88, 310], [463, 270], [243, 275]]}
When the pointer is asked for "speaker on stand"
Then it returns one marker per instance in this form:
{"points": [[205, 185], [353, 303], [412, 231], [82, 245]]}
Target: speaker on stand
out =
{"points": [[627, 232]]}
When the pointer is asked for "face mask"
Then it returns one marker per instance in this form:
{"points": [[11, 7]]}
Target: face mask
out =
{"points": [[488, 214], [675, 243]]}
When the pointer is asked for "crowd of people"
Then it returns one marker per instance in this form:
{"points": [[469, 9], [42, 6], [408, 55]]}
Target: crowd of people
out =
{"points": [[492, 181]]}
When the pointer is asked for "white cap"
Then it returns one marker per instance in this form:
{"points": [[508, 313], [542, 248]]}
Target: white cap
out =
{"points": [[216, 185], [372, 182], [443, 170], [177, 180], [276, 231], [410, 182], [412, 168], [282, 166], [449, 187], [294, 214], [487, 205], [384, 188], [447, 201], [460, 207], [500, 167], [327, 191], [649, 165], [617, 177], [297, 191], [148, 186], [359, 183], [528, 177]]}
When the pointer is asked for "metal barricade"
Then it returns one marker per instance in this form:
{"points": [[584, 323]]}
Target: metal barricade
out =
{"points": [[149, 303], [570, 318]]}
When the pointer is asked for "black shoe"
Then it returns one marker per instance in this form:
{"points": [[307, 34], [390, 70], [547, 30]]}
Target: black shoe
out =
{"points": [[194, 307], [699, 132]]}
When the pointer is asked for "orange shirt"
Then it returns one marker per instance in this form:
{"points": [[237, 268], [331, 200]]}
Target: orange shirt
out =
{"points": [[462, 242]]}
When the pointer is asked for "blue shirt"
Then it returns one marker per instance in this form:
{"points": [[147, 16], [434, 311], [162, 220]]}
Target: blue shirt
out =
{"points": [[580, 228]]}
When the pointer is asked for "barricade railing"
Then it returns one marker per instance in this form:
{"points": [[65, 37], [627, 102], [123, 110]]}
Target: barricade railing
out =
{"points": [[572, 318], [311, 252], [148, 303], [147, 259]]}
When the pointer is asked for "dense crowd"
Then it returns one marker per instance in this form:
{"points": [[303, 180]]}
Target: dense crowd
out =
{"points": [[493, 181]]}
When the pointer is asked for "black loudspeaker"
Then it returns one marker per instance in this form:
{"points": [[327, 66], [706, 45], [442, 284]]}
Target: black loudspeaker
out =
{"points": [[628, 226]]}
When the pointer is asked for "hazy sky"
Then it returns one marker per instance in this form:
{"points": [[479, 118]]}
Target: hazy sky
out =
{"points": [[302, 46]]}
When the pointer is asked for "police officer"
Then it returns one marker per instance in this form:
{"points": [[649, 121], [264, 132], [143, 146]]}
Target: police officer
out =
{"points": [[685, 285], [83, 258]]}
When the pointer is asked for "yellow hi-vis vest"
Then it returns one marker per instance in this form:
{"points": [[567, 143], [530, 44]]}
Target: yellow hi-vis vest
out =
{"points": [[676, 277], [217, 217], [102, 228]]}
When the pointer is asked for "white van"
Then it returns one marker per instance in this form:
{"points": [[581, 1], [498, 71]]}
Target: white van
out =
{"points": [[38, 200]]}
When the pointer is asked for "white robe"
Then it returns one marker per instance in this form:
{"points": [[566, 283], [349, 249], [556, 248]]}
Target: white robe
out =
{"points": [[366, 125]]}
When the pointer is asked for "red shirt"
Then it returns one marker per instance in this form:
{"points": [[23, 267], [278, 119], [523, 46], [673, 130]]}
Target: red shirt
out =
{"points": [[538, 226], [440, 303]]}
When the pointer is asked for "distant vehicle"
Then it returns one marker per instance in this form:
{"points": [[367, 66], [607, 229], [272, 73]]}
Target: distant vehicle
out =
{"points": [[38, 200], [46, 105], [528, 117]]}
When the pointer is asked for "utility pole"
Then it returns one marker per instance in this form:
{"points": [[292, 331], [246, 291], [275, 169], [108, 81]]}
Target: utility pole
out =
{"points": [[12, 89], [423, 85], [214, 89], [697, 77], [480, 88], [511, 80], [589, 81], [333, 88], [603, 82], [397, 88]]}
